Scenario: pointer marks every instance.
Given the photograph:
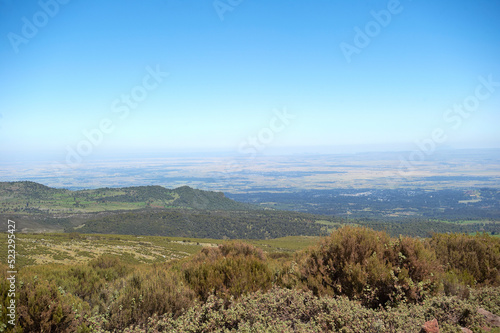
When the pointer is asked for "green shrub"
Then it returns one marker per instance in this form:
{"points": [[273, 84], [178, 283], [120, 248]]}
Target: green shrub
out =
{"points": [[487, 298], [232, 269], [283, 310], [370, 266], [43, 308], [148, 291], [471, 258]]}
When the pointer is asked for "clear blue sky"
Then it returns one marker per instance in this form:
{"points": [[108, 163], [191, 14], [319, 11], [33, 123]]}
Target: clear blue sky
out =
{"points": [[227, 76]]}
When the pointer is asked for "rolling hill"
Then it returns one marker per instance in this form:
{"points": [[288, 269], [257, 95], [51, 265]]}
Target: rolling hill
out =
{"points": [[33, 198], [146, 210]]}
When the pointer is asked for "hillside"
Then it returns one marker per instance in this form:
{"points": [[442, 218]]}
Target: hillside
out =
{"points": [[207, 224], [32, 198], [146, 210]]}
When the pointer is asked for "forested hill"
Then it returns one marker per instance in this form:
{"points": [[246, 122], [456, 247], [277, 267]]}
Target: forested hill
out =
{"points": [[206, 224], [31, 198]]}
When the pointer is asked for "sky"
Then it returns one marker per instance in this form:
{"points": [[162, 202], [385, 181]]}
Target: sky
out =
{"points": [[98, 78]]}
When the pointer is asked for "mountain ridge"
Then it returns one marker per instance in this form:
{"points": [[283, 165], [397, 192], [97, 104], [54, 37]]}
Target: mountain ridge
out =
{"points": [[146, 210], [34, 198]]}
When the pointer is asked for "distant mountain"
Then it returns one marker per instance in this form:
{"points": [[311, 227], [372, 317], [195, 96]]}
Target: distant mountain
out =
{"points": [[32, 198]]}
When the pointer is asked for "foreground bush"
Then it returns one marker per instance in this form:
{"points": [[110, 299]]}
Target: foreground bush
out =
{"points": [[149, 291], [337, 285], [487, 298], [283, 310], [369, 266], [230, 270], [42, 307], [470, 259]]}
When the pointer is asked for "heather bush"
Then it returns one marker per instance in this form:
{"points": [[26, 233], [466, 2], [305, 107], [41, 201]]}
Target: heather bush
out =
{"points": [[148, 291], [369, 266], [230, 270], [418, 270], [90, 282], [109, 267], [43, 307], [470, 258], [355, 280]]}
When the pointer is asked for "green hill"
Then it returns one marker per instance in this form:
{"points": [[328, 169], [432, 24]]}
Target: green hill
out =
{"points": [[32, 198]]}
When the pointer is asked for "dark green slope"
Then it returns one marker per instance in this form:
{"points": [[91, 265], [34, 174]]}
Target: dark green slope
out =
{"points": [[207, 224], [28, 190], [192, 198]]}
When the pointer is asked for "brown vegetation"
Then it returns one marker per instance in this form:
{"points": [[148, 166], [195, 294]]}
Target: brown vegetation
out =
{"points": [[356, 279]]}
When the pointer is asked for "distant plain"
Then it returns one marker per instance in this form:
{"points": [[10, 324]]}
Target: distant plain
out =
{"points": [[447, 169]]}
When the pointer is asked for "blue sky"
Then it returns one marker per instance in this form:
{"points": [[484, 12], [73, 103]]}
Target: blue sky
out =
{"points": [[228, 78]]}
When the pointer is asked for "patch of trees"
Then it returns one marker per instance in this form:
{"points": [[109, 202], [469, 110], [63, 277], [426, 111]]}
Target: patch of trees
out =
{"points": [[206, 224]]}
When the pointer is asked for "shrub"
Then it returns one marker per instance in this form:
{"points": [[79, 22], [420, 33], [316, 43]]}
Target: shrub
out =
{"points": [[148, 291], [369, 266], [43, 308], [471, 258], [283, 310], [232, 269], [487, 298]]}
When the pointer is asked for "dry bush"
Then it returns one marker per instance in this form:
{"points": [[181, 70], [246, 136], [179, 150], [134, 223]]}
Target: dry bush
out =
{"points": [[470, 259], [148, 291], [369, 266], [232, 269], [43, 307]]}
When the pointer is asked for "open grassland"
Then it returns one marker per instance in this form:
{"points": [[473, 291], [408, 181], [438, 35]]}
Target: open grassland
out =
{"points": [[63, 248], [73, 248]]}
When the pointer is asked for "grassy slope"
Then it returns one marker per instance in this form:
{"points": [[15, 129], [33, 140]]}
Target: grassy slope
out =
{"points": [[33, 198], [36, 249]]}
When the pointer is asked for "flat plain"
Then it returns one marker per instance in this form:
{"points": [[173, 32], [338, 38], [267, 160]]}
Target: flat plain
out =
{"points": [[235, 173]]}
